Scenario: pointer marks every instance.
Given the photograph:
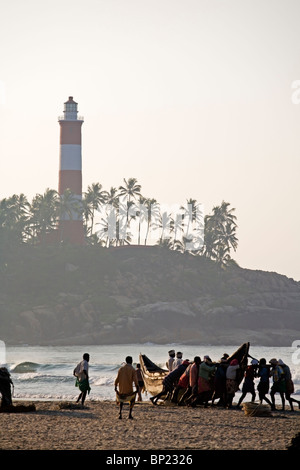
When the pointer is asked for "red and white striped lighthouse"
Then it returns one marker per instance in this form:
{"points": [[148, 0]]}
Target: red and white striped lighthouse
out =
{"points": [[70, 171]]}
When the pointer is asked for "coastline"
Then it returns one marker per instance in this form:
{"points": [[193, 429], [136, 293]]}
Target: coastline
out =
{"points": [[59, 425]]}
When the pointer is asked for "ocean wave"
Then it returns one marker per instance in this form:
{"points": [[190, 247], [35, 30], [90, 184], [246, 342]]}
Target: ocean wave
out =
{"points": [[57, 368], [25, 367], [27, 376], [103, 381], [40, 377], [104, 367]]}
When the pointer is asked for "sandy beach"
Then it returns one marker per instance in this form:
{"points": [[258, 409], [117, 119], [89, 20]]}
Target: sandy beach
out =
{"points": [[66, 426]]}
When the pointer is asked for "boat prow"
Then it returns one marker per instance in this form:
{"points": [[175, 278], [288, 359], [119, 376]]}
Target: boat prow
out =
{"points": [[153, 375]]}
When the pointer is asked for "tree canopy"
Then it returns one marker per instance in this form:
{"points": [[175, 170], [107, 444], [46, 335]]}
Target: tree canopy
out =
{"points": [[122, 216]]}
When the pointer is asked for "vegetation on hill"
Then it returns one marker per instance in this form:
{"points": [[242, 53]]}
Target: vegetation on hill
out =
{"points": [[121, 217]]}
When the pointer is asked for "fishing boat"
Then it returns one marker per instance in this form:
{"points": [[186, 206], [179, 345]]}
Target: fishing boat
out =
{"points": [[153, 375]]}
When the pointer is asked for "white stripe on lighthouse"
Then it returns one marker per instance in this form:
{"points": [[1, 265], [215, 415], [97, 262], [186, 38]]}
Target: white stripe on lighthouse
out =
{"points": [[70, 157]]}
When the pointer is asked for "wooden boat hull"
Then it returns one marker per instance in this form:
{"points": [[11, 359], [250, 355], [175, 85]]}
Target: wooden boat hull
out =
{"points": [[153, 375]]}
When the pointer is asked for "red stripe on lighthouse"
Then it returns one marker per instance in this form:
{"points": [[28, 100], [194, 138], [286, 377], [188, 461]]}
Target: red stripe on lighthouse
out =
{"points": [[70, 179], [70, 132]]}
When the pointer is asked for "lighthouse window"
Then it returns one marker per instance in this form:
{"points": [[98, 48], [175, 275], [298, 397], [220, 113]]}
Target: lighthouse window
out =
{"points": [[70, 107]]}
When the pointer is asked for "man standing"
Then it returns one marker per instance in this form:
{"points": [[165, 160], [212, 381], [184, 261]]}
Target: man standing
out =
{"points": [[278, 382], [125, 378], [171, 360], [81, 373], [177, 361]]}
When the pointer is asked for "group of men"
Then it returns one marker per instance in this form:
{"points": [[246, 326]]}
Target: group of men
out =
{"points": [[203, 381], [184, 376]]}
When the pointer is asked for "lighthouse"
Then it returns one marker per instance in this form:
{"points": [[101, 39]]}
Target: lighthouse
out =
{"points": [[70, 174]]}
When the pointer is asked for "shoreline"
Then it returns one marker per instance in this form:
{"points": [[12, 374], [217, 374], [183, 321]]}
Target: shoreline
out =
{"points": [[63, 425]]}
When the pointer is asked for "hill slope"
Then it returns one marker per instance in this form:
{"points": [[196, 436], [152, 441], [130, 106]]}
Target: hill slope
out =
{"points": [[94, 295]]}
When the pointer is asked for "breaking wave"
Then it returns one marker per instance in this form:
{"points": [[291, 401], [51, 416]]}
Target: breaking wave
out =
{"points": [[25, 367]]}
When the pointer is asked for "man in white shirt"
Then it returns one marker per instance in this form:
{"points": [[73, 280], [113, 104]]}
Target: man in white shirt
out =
{"points": [[177, 361], [171, 359], [81, 372]]}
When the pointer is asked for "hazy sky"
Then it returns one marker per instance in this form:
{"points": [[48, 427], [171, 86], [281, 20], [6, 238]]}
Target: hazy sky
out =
{"points": [[193, 98]]}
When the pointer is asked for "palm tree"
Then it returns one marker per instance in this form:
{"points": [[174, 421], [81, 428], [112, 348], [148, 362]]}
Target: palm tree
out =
{"points": [[87, 214], [9, 211], [126, 213], [128, 194], [178, 226], [14, 215], [115, 218], [194, 226], [190, 212], [94, 198], [110, 233], [112, 197], [131, 189], [23, 214], [153, 213], [21, 205], [164, 224], [108, 227], [220, 234], [228, 235], [222, 215], [210, 239], [142, 215], [109, 216], [44, 213]]}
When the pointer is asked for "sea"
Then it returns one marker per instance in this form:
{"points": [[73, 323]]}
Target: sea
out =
{"points": [[46, 372]]}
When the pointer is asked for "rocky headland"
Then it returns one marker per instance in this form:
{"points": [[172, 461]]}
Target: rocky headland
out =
{"points": [[144, 294]]}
